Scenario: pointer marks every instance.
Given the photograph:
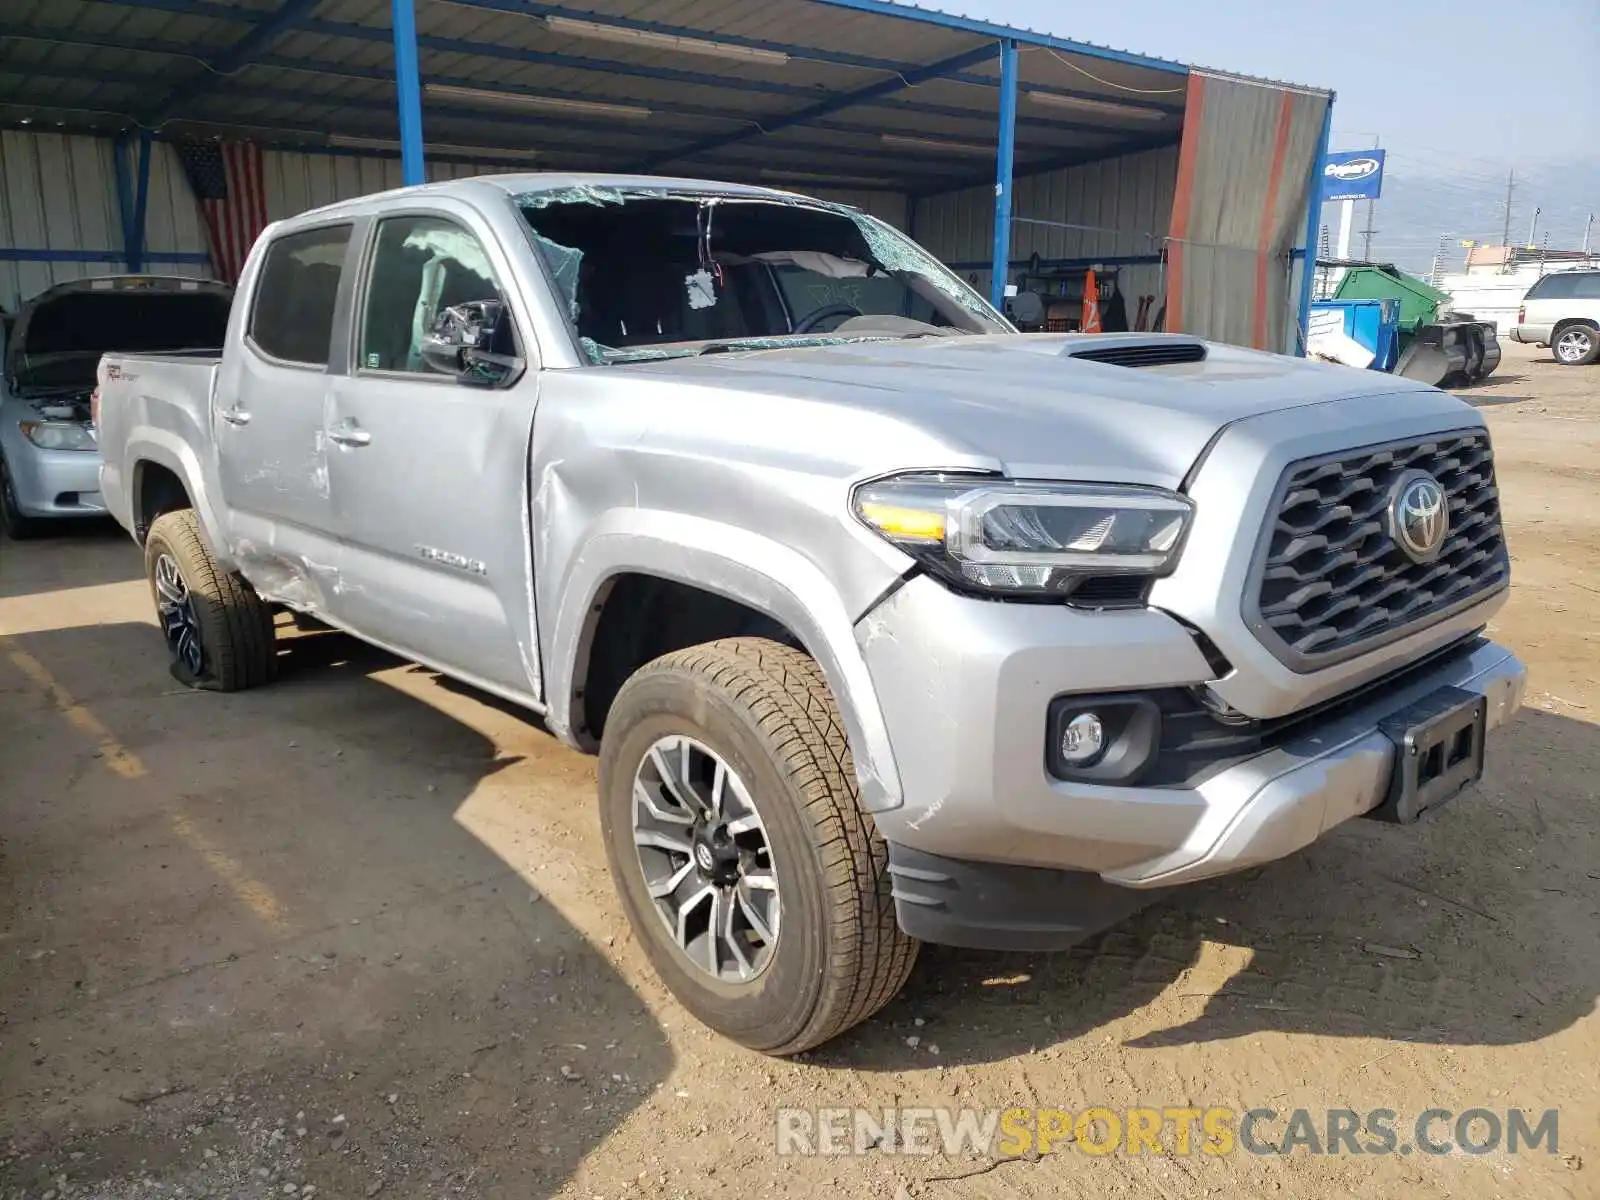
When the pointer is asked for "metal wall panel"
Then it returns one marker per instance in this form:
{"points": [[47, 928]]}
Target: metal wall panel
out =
{"points": [[56, 193], [1126, 203], [172, 222], [886, 206], [59, 192]]}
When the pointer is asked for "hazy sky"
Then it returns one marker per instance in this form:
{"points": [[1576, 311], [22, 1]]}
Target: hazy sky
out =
{"points": [[1459, 92], [1406, 70]]}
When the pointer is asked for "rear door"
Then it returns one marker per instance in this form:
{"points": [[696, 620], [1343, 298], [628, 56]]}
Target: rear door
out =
{"points": [[268, 417], [1550, 300], [429, 475]]}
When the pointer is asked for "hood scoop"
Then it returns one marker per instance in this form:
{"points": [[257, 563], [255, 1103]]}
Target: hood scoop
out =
{"points": [[1160, 352]]}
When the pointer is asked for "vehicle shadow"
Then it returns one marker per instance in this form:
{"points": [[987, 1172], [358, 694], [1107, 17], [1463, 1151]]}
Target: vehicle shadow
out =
{"points": [[70, 554], [1473, 927], [1478, 401], [264, 926]]}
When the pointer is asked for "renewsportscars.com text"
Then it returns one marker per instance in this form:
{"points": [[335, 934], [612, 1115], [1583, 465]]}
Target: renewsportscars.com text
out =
{"points": [[1014, 1132]]}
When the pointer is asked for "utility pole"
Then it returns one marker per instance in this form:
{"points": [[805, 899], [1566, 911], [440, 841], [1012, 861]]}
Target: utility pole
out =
{"points": [[1533, 225], [1587, 226], [1366, 234], [1511, 183]]}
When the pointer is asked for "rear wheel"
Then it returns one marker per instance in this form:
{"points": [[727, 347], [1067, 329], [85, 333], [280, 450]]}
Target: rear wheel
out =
{"points": [[1576, 345], [219, 633], [12, 521], [755, 883]]}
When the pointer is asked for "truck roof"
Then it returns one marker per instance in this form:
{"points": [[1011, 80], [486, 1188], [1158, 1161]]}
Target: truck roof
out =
{"points": [[127, 283], [519, 182]]}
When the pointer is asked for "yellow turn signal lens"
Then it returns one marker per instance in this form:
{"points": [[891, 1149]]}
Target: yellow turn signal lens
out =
{"points": [[904, 524]]}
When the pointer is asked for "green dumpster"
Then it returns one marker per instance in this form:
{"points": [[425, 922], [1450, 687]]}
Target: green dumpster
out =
{"points": [[1419, 303]]}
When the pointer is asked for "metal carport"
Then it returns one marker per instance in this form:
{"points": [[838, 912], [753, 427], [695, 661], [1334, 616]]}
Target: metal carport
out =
{"points": [[813, 94]]}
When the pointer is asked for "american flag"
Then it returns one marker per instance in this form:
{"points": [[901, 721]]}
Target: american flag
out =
{"points": [[227, 183]]}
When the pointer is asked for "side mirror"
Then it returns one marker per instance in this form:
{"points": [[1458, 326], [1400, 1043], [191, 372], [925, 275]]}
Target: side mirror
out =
{"points": [[462, 343]]}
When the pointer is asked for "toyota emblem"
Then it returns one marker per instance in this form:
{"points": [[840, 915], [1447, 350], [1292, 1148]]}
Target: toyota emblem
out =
{"points": [[1419, 515]]}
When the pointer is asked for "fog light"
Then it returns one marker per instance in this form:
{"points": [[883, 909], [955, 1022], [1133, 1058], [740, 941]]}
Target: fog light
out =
{"points": [[1082, 740]]}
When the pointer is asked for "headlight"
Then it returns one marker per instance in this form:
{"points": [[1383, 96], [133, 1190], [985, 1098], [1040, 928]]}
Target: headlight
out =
{"points": [[1026, 539], [59, 435]]}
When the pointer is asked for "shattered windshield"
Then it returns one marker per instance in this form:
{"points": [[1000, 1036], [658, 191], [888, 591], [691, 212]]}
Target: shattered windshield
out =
{"points": [[649, 274]]}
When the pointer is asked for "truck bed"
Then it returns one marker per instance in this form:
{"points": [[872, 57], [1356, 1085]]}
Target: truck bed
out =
{"points": [[156, 407]]}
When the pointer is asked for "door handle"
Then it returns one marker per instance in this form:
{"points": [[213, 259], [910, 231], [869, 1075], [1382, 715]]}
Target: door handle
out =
{"points": [[348, 433], [235, 416]]}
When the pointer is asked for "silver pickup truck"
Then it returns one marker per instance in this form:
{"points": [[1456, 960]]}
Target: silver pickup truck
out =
{"points": [[889, 624]]}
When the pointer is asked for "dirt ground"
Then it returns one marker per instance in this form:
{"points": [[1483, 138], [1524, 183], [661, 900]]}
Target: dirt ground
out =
{"points": [[352, 936]]}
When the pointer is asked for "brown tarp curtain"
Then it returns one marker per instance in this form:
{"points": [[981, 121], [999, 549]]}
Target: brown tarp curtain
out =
{"points": [[1243, 172]]}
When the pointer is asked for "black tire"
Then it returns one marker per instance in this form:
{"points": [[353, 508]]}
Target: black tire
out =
{"points": [[232, 625], [1573, 347], [766, 710], [17, 527]]}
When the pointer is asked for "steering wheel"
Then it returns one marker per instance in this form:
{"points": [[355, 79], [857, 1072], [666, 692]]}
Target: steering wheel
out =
{"points": [[816, 316]]}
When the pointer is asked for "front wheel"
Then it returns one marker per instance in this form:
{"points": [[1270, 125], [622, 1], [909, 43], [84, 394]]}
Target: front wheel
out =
{"points": [[16, 525], [1576, 345], [219, 633], [757, 886]]}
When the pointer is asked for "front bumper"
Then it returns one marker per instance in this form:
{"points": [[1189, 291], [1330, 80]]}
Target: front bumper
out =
{"points": [[54, 483], [968, 728]]}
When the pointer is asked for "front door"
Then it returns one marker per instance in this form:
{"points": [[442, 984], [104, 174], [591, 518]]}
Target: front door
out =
{"points": [[268, 416], [429, 475]]}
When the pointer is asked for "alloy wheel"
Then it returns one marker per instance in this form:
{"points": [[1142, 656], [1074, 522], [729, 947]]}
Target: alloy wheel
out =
{"points": [[175, 607], [1573, 345], [706, 859]]}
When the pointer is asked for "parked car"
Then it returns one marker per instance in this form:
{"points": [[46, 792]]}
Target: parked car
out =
{"points": [[49, 459], [1562, 311], [889, 624]]}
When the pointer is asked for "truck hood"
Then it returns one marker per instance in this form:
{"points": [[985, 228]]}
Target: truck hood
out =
{"points": [[1025, 401]]}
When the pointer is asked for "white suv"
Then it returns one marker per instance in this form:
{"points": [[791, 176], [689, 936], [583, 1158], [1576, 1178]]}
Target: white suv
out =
{"points": [[1562, 311]]}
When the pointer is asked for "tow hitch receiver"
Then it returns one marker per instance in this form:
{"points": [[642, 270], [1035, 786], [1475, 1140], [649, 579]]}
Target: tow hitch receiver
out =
{"points": [[1438, 752]]}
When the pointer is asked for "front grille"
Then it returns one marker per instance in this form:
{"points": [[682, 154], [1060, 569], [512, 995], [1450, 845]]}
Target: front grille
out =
{"points": [[1333, 582]]}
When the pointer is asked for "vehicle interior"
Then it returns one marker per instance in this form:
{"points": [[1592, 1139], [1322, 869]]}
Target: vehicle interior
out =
{"points": [[657, 272]]}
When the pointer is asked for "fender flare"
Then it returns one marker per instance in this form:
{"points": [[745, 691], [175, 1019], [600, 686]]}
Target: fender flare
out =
{"points": [[755, 571], [165, 449]]}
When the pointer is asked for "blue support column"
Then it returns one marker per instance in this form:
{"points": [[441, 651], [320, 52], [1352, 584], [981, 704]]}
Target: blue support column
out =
{"points": [[408, 86], [119, 166], [141, 205], [1313, 219], [1001, 266]]}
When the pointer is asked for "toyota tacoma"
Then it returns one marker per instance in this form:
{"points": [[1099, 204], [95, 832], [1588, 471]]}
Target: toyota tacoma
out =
{"points": [[889, 624]]}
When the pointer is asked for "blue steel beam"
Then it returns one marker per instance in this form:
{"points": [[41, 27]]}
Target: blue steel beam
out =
{"points": [[1060, 162], [408, 89], [119, 167], [1313, 219], [349, 30], [261, 35], [447, 110], [999, 268], [292, 138], [16, 254], [324, 67], [532, 8], [141, 205], [827, 107], [536, 9], [196, 8]]}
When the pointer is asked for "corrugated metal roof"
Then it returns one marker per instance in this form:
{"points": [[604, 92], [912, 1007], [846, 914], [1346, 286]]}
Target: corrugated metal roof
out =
{"points": [[296, 71]]}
